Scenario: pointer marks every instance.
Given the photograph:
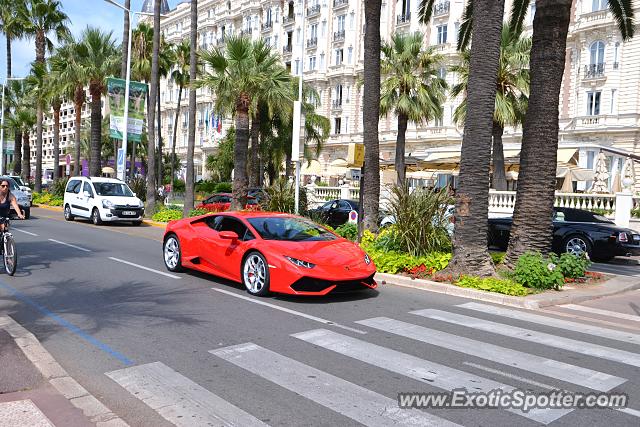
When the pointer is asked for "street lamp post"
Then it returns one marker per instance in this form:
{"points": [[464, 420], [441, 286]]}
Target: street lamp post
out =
{"points": [[297, 116], [2, 162]]}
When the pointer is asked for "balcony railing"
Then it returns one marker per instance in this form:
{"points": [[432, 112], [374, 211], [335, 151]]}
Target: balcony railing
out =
{"points": [[313, 10], [246, 32], [286, 20], [441, 9], [594, 71], [404, 18], [339, 36], [313, 42], [340, 3], [286, 50], [336, 103], [267, 26]]}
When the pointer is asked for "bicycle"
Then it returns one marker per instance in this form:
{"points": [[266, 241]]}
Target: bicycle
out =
{"points": [[8, 249]]}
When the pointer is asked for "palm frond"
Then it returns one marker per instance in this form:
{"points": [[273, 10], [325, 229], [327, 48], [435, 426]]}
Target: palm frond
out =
{"points": [[622, 11], [464, 32]]}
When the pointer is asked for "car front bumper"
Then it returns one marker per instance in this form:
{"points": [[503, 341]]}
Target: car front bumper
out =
{"points": [[122, 214]]}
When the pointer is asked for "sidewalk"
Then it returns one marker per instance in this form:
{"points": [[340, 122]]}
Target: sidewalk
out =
{"points": [[571, 294], [35, 391]]}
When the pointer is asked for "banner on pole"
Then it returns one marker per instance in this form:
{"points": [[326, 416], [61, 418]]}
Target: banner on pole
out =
{"points": [[137, 96]]}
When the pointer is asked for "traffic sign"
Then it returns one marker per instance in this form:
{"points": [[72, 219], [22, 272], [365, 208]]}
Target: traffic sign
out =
{"points": [[120, 164], [353, 217]]}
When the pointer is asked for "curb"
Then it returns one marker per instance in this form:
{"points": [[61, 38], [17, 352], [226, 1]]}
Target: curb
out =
{"points": [[532, 302], [155, 223], [79, 397], [49, 208]]}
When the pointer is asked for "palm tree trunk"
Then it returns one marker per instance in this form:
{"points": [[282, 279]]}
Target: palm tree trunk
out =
{"points": [[499, 176], [254, 152], [151, 112], [159, 120], [56, 142], [470, 252], [401, 169], [41, 43], [538, 157], [79, 98], [26, 156], [240, 152], [193, 64], [17, 152], [175, 135], [8, 40], [371, 115], [39, 117], [96, 131], [288, 164], [125, 41]]}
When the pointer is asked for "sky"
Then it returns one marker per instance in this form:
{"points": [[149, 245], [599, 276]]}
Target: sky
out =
{"points": [[96, 13]]}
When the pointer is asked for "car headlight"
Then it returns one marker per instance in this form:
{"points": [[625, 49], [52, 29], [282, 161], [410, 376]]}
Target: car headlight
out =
{"points": [[300, 263], [367, 260], [108, 204]]}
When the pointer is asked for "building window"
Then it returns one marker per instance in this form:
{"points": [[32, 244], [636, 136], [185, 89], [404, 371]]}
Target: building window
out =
{"points": [[339, 56], [337, 124], [442, 34], [614, 99], [438, 122], [442, 73], [312, 63], [341, 22], [596, 53], [593, 103], [314, 31], [597, 5], [297, 67]]}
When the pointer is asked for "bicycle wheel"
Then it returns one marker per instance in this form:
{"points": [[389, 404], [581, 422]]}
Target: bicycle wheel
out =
{"points": [[10, 255]]}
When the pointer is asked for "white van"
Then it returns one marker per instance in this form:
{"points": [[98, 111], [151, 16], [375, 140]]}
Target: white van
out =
{"points": [[101, 199]]}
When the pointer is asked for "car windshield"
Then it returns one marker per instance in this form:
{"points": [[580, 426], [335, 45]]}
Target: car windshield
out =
{"points": [[290, 229], [18, 181], [113, 189]]}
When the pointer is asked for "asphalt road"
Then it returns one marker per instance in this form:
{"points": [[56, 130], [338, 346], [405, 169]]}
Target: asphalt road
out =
{"points": [[161, 349]]}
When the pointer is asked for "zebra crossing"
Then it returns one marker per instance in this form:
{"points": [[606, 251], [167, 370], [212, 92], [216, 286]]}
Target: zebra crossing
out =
{"points": [[183, 402]]}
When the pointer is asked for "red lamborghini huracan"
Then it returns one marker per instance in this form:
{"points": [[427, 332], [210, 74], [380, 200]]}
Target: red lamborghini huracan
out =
{"points": [[268, 252]]}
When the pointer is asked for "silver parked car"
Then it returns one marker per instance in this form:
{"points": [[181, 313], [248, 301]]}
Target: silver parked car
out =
{"points": [[24, 201]]}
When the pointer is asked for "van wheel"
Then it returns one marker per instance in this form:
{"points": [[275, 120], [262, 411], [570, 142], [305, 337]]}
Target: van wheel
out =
{"points": [[95, 217], [67, 213]]}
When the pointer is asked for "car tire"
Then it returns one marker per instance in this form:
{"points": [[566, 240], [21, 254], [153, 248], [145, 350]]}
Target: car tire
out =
{"points": [[27, 213], [67, 213], [95, 217], [255, 274], [172, 253], [576, 244]]}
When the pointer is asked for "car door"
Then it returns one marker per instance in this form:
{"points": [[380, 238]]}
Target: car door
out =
{"points": [[85, 199], [71, 195], [223, 255]]}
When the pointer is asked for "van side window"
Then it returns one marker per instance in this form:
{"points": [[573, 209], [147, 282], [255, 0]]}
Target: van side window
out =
{"points": [[88, 189], [74, 186]]}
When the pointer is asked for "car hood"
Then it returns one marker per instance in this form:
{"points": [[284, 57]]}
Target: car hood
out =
{"points": [[321, 252], [133, 202]]}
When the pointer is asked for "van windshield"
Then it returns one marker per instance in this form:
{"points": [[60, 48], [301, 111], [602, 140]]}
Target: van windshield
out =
{"points": [[112, 189]]}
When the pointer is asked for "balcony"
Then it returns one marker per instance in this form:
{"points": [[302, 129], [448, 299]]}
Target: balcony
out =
{"points": [[267, 26], [441, 9], [286, 50], [403, 19], [594, 71], [340, 3], [288, 20], [336, 103], [313, 42], [339, 36], [313, 10]]}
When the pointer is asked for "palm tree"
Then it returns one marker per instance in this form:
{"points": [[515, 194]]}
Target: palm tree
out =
{"points": [[37, 86], [125, 39], [191, 143], [511, 94], [470, 254], [371, 114], [141, 56], [12, 20], [98, 59], [237, 77], [55, 92], [538, 157], [411, 88], [19, 104], [180, 76], [45, 17], [25, 120], [151, 112]]}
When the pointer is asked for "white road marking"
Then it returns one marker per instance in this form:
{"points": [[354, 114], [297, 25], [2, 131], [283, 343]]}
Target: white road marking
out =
{"points": [[425, 371], [178, 399], [582, 347], [24, 231], [69, 245], [348, 399], [527, 362], [607, 313], [144, 268], [598, 331], [290, 311], [512, 376], [629, 411]]}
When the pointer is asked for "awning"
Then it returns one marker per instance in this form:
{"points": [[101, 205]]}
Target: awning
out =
{"points": [[566, 154], [311, 168], [577, 174]]}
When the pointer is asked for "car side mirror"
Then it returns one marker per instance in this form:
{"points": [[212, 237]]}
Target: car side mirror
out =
{"points": [[135, 195], [229, 235]]}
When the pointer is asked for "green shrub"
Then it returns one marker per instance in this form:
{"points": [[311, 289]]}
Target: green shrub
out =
{"points": [[635, 213], [280, 197], [573, 266], [421, 222], [223, 187], [166, 215], [179, 186], [536, 271], [498, 257], [198, 212], [492, 284], [56, 201], [58, 187], [348, 231], [172, 207], [206, 187], [139, 186], [388, 240]]}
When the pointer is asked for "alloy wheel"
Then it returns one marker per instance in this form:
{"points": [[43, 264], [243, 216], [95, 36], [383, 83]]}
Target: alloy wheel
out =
{"points": [[171, 253], [255, 273], [576, 246]]}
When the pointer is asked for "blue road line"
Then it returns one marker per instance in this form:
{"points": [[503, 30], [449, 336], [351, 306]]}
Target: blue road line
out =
{"points": [[67, 325]]}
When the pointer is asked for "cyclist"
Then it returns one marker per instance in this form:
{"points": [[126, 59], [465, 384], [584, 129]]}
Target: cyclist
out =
{"points": [[7, 201]]}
